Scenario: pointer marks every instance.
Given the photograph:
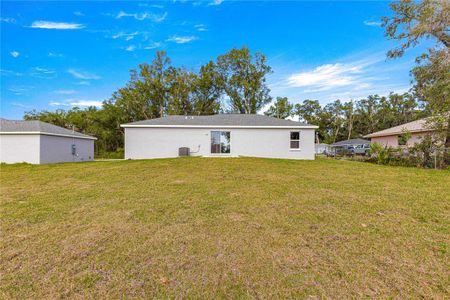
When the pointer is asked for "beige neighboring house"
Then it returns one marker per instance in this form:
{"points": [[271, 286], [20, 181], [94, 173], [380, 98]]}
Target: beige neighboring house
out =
{"points": [[391, 137]]}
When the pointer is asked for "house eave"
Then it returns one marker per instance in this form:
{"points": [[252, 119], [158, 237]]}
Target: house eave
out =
{"points": [[373, 135], [46, 133], [218, 126]]}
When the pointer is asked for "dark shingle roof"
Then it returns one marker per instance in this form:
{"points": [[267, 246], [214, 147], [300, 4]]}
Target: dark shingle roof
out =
{"points": [[219, 120], [351, 142], [37, 126]]}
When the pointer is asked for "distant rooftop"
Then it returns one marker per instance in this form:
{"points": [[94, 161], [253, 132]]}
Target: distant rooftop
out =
{"points": [[220, 120], [35, 126], [415, 126], [351, 142]]}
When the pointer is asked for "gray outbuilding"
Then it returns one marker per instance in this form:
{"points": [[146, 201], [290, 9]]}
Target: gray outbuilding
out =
{"points": [[221, 135], [37, 142]]}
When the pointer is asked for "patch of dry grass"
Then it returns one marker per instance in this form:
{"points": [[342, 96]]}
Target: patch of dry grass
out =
{"points": [[223, 228]]}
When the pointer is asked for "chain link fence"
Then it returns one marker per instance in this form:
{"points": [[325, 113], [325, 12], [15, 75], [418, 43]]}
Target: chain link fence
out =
{"points": [[432, 158]]}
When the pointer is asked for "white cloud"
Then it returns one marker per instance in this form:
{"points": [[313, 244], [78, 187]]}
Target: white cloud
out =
{"points": [[21, 105], [200, 27], [150, 5], [4, 72], [56, 25], [56, 103], [19, 90], [350, 78], [330, 76], [153, 45], [130, 48], [216, 2], [326, 76], [14, 54], [8, 20], [83, 82], [64, 92], [54, 54], [74, 102], [360, 93], [182, 39], [372, 23], [87, 103], [78, 13], [125, 36], [82, 75], [44, 73], [143, 16]]}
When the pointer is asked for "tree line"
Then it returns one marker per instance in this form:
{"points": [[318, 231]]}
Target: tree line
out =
{"points": [[352, 119]]}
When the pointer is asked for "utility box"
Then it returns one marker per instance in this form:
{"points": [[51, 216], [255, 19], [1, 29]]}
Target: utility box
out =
{"points": [[184, 151]]}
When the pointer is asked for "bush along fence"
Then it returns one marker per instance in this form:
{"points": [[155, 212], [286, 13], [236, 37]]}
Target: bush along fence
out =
{"points": [[426, 154], [421, 155]]}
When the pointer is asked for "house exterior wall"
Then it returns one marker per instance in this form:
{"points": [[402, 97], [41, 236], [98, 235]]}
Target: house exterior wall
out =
{"points": [[55, 149], [392, 140], [152, 142], [388, 141], [19, 148], [43, 149]]}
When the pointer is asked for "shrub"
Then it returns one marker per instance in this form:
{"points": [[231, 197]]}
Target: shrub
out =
{"points": [[380, 154], [118, 154], [422, 154], [426, 154]]}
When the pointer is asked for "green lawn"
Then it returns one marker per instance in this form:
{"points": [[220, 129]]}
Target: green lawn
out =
{"points": [[224, 228]]}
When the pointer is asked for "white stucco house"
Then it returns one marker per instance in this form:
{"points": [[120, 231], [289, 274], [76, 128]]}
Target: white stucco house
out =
{"points": [[37, 142], [223, 135]]}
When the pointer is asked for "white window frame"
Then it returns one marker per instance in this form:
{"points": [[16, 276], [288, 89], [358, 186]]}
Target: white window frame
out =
{"points": [[291, 140]]}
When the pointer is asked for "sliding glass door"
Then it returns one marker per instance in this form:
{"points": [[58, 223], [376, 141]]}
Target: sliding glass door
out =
{"points": [[220, 142]]}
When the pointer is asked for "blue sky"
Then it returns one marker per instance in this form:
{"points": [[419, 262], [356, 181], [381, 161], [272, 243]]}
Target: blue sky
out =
{"points": [[60, 54]]}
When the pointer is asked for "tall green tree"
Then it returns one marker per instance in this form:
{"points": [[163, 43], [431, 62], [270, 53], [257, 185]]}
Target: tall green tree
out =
{"points": [[433, 86], [335, 112], [348, 109], [244, 75], [156, 76], [367, 110], [57, 117], [145, 96], [396, 109], [208, 90], [311, 112], [412, 22], [281, 109], [181, 85]]}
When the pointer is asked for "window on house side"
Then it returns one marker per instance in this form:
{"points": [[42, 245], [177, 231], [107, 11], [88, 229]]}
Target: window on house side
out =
{"points": [[295, 140], [402, 140]]}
